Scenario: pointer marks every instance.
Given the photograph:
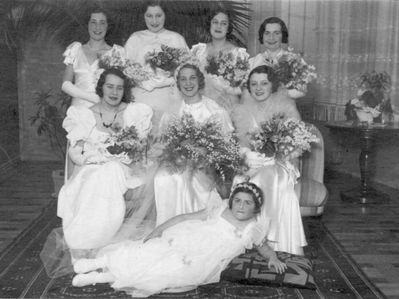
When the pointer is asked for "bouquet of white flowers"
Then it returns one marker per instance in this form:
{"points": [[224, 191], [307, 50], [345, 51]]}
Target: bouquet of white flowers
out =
{"points": [[229, 68], [293, 70], [282, 138], [189, 144], [125, 145]]}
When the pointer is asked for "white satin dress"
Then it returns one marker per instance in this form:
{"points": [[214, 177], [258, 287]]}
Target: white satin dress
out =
{"points": [[180, 193], [91, 202]]}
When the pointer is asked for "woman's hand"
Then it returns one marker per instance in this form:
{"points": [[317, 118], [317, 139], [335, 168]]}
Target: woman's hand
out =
{"points": [[277, 264], [256, 160], [156, 233]]}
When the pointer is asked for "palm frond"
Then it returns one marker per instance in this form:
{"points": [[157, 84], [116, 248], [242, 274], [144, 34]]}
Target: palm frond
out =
{"points": [[64, 21]]}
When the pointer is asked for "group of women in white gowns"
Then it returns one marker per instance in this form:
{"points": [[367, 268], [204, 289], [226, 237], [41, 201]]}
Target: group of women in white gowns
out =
{"points": [[92, 203]]}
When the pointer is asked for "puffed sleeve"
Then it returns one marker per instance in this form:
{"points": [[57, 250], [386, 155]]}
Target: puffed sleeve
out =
{"points": [[71, 53], [131, 47], [79, 122], [139, 115], [181, 42]]}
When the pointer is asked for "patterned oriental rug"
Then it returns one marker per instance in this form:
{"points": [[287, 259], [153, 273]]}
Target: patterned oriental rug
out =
{"points": [[336, 275]]}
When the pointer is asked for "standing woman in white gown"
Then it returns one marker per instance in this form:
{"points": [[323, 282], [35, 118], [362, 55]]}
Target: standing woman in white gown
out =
{"points": [[81, 62], [220, 29], [91, 203], [273, 34], [158, 91]]}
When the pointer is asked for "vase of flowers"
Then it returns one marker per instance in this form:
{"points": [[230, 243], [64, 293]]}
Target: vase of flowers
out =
{"points": [[372, 98]]}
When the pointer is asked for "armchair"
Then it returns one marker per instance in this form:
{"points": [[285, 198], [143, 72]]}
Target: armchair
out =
{"points": [[312, 192]]}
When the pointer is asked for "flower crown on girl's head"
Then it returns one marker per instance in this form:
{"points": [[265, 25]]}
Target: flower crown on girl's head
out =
{"points": [[255, 190]]}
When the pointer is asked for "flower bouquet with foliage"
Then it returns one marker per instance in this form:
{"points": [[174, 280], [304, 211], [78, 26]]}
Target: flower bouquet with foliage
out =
{"points": [[372, 97], [284, 139], [125, 145], [116, 58], [192, 145], [167, 59], [294, 72], [229, 69]]}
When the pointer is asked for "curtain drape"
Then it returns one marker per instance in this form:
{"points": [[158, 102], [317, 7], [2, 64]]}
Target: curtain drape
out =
{"points": [[342, 39]]}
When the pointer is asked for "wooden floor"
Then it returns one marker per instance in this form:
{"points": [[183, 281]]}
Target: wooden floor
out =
{"points": [[369, 233]]}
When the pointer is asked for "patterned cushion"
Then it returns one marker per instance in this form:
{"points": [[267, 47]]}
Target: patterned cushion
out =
{"points": [[251, 268]]}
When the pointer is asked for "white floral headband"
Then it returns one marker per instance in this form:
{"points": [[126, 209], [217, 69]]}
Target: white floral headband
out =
{"points": [[251, 187], [191, 60]]}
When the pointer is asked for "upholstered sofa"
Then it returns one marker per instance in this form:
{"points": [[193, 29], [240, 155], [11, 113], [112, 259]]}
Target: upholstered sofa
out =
{"points": [[312, 192]]}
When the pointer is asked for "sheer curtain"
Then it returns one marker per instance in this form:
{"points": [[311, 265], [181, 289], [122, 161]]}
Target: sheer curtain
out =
{"points": [[342, 39]]}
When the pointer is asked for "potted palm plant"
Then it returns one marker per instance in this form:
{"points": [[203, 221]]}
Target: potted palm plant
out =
{"points": [[50, 112]]}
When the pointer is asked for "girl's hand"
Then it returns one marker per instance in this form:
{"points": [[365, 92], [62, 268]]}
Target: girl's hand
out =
{"points": [[277, 264]]}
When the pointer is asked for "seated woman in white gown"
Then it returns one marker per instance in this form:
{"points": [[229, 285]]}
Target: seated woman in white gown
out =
{"points": [[277, 179], [186, 251], [91, 204], [220, 28], [157, 92], [178, 193]]}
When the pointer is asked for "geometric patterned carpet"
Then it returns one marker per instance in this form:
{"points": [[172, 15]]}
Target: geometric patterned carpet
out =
{"points": [[336, 275]]}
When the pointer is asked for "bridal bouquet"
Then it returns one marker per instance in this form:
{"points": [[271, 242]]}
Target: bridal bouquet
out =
{"points": [[167, 59], [229, 68], [116, 58], [193, 145], [294, 72], [126, 145], [282, 138]]}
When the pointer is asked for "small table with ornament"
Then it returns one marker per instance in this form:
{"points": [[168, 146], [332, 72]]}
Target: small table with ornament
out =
{"points": [[366, 132]]}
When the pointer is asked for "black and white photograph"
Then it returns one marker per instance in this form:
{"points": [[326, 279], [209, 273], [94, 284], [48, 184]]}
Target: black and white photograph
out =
{"points": [[172, 149]]}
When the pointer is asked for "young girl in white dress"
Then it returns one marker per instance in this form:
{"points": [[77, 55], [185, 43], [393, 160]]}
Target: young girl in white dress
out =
{"points": [[178, 193], [187, 251], [277, 179], [158, 92], [220, 28]]}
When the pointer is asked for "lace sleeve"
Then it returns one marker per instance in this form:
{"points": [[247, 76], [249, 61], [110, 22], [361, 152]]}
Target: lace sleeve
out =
{"points": [[71, 53]]}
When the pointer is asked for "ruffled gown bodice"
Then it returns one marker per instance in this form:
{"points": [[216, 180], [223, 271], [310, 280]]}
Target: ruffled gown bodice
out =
{"points": [[188, 254], [85, 73]]}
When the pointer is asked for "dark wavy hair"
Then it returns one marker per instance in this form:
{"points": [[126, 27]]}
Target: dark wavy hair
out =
{"points": [[274, 20], [126, 84], [272, 76], [213, 14], [249, 188], [200, 75], [152, 3]]}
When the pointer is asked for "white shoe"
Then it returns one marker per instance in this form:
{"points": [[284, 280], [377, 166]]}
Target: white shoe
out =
{"points": [[82, 280], [83, 266]]}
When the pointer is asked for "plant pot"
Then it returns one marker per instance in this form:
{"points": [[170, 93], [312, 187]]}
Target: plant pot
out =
{"points": [[364, 116], [58, 180]]}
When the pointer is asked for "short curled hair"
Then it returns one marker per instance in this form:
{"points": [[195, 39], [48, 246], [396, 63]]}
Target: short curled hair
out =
{"points": [[249, 188], [126, 84], [274, 20], [200, 75], [213, 14], [271, 76]]}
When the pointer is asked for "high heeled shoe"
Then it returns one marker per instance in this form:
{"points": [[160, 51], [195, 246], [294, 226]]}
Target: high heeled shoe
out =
{"points": [[82, 280]]}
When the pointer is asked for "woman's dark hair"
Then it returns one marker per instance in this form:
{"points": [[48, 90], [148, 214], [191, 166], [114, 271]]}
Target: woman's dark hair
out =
{"points": [[152, 3], [271, 76], [213, 14], [116, 72], [200, 75], [249, 188], [274, 20]]}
